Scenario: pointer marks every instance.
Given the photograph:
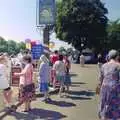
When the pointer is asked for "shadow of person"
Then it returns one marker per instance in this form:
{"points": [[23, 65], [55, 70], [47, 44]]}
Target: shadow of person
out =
{"points": [[85, 93], [61, 103], [79, 83], [79, 98], [37, 114], [73, 75], [81, 95]]}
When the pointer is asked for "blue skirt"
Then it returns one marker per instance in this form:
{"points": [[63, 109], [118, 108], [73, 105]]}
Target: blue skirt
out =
{"points": [[44, 87], [67, 80]]}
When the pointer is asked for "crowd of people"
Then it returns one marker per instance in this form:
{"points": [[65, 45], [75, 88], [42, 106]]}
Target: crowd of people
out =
{"points": [[56, 70], [50, 70]]}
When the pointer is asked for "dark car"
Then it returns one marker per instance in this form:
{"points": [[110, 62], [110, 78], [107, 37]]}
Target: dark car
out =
{"points": [[90, 58]]}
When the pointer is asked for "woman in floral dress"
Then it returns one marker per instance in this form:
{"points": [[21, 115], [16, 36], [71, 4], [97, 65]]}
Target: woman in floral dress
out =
{"points": [[109, 108]]}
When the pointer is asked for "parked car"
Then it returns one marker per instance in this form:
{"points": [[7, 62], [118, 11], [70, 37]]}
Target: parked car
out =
{"points": [[90, 58]]}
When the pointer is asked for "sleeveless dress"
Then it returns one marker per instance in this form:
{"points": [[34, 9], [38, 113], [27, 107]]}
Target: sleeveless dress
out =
{"points": [[28, 90], [110, 91]]}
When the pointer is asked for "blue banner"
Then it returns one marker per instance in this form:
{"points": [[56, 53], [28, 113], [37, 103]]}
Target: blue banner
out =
{"points": [[37, 51]]}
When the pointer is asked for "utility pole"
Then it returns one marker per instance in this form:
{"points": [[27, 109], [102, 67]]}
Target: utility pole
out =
{"points": [[46, 35]]}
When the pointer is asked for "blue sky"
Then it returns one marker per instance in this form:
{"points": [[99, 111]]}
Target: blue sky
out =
{"points": [[113, 8], [18, 18]]}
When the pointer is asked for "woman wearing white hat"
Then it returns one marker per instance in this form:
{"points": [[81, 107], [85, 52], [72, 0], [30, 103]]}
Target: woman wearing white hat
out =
{"points": [[44, 76]]}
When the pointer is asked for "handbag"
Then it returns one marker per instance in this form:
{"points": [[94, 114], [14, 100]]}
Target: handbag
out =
{"points": [[98, 89], [29, 88]]}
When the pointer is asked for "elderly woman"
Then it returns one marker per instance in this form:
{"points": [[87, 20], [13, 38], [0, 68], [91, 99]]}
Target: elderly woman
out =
{"points": [[44, 76], [109, 108], [26, 85]]}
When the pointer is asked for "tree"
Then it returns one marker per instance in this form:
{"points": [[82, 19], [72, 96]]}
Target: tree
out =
{"points": [[62, 50], [81, 23], [3, 45], [113, 38], [69, 51], [10, 46], [22, 45]]}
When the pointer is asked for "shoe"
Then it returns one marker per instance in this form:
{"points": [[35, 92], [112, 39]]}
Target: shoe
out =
{"points": [[48, 100], [30, 109], [25, 111]]}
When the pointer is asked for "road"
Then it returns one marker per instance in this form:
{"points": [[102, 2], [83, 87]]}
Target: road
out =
{"points": [[81, 103]]}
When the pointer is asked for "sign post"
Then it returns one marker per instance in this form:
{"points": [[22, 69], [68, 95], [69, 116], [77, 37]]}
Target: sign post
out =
{"points": [[46, 13]]}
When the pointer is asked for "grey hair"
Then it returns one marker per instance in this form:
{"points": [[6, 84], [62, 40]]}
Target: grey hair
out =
{"points": [[113, 54], [43, 58]]}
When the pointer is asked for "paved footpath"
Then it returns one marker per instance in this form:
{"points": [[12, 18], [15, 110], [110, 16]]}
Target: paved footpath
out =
{"points": [[81, 103]]}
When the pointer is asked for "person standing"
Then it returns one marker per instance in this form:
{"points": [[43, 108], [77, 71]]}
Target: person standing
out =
{"points": [[54, 57], [109, 107], [5, 86], [26, 85], [59, 68], [82, 60], [100, 61], [67, 80], [44, 76]]}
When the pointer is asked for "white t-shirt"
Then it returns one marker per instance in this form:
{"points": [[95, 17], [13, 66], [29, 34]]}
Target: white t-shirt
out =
{"points": [[4, 83], [59, 67]]}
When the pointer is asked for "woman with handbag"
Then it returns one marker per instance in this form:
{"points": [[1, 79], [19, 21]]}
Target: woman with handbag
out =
{"points": [[26, 85], [109, 108]]}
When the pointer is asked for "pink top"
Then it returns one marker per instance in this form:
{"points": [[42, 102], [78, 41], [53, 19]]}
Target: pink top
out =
{"points": [[26, 75]]}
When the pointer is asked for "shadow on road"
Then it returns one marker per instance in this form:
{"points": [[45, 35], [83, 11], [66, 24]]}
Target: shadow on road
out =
{"points": [[61, 103], [79, 98], [78, 83], [73, 75], [36, 114], [81, 95]]}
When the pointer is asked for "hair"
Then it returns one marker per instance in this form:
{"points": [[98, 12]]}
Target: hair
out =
{"points": [[61, 57], [1, 54], [43, 58], [113, 54], [56, 52], [27, 58], [2, 58]]}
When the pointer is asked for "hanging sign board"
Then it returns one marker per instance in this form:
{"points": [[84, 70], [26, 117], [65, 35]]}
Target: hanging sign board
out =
{"points": [[45, 12]]}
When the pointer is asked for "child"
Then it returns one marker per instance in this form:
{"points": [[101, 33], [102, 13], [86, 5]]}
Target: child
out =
{"points": [[82, 60], [67, 81], [7, 93], [59, 68]]}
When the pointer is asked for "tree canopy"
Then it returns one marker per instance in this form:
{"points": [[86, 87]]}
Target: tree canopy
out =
{"points": [[10, 46], [82, 23], [113, 37]]}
